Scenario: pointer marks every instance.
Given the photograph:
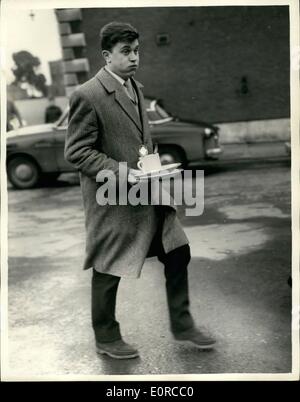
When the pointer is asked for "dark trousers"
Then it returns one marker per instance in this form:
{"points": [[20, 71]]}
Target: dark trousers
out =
{"points": [[104, 292]]}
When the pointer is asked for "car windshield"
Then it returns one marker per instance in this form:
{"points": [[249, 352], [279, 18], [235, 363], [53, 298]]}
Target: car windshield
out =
{"points": [[63, 120], [156, 114]]}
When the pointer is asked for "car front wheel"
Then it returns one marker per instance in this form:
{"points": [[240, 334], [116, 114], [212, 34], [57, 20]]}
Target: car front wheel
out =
{"points": [[23, 173]]}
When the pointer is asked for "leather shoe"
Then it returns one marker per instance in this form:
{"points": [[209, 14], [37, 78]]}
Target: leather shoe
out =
{"points": [[117, 349], [200, 339]]}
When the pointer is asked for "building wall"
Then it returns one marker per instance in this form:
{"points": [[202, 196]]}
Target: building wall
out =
{"points": [[57, 87], [222, 64]]}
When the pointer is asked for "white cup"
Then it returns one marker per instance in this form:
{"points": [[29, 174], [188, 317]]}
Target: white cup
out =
{"points": [[149, 163]]}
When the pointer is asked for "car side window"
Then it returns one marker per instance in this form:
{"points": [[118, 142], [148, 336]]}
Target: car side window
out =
{"points": [[153, 115], [163, 114]]}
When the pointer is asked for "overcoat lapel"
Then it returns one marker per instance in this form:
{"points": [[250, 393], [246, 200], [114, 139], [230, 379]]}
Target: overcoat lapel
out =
{"points": [[143, 113], [112, 85], [128, 107]]}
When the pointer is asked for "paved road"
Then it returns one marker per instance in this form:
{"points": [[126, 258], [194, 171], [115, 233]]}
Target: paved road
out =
{"points": [[241, 249]]}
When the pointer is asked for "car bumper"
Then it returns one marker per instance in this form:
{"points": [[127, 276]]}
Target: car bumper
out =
{"points": [[213, 152]]}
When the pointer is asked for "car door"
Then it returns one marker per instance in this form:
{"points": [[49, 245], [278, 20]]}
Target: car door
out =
{"points": [[60, 130]]}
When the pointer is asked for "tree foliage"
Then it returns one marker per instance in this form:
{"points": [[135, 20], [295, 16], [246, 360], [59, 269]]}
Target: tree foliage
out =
{"points": [[25, 71]]}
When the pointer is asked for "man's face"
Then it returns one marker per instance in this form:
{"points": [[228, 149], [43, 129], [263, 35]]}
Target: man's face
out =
{"points": [[123, 59]]}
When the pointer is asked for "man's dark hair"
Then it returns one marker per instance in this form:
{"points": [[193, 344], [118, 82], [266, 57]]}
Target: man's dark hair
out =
{"points": [[115, 32]]}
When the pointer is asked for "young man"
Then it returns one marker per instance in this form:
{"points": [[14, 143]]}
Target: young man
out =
{"points": [[107, 125]]}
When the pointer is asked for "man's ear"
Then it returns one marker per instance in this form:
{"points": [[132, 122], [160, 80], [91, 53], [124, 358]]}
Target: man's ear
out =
{"points": [[106, 55]]}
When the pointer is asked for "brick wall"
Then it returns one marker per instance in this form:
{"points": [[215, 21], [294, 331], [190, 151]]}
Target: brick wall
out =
{"points": [[222, 64]]}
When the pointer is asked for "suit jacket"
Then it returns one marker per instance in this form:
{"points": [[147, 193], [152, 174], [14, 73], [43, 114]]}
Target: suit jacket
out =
{"points": [[104, 129]]}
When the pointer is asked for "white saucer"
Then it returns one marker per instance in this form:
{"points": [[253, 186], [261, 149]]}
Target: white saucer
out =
{"points": [[161, 169], [155, 175]]}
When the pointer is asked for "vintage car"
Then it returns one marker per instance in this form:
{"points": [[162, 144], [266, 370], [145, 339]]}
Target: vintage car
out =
{"points": [[36, 153]]}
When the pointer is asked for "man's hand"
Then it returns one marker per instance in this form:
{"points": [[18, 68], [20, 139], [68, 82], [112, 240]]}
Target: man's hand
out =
{"points": [[132, 176]]}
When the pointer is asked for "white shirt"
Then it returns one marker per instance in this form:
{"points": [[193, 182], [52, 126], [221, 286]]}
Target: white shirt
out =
{"points": [[116, 76]]}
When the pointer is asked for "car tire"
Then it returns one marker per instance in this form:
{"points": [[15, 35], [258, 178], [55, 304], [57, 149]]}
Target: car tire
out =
{"points": [[23, 173], [171, 155]]}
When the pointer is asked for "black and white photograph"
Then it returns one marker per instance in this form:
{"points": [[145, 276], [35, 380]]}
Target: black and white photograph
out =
{"points": [[149, 190]]}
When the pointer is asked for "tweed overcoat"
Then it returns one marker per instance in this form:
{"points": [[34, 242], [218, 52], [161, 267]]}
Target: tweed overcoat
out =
{"points": [[104, 129]]}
